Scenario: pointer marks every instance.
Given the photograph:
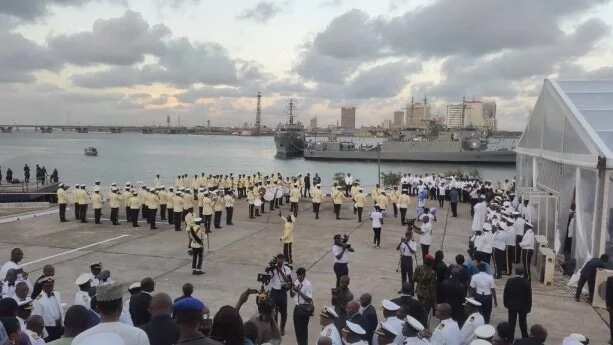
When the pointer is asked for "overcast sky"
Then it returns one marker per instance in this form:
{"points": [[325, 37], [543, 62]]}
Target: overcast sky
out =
{"points": [[137, 61]]}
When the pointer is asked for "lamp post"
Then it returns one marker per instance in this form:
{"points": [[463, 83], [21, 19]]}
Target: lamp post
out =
{"points": [[379, 163]]}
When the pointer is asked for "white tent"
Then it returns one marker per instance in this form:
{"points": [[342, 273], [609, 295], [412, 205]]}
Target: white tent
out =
{"points": [[565, 156]]}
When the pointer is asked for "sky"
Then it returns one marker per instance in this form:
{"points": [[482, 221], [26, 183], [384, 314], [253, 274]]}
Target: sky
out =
{"points": [[135, 62]]}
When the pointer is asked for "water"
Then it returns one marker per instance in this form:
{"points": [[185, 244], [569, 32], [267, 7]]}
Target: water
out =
{"points": [[139, 157]]}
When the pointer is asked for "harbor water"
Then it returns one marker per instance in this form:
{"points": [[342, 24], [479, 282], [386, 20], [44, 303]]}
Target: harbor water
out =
{"points": [[139, 157]]}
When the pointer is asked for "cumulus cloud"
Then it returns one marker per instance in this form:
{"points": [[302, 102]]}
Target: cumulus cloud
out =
{"points": [[351, 35], [32, 9], [20, 57], [262, 12], [117, 41]]}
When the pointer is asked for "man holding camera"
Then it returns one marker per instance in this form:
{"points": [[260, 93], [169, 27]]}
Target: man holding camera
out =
{"points": [[341, 258], [302, 291], [280, 283], [407, 248]]}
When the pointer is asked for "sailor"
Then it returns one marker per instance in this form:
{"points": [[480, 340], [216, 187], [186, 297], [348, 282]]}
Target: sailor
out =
{"points": [[177, 203], [229, 203], [80, 195], [527, 249], [218, 206], [49, 305], [196, 245], [114, 203], [188, 201], [403, 205], [82, 297], [386, 333], [75, 199], [327, 317], [390, 309], [135, 204], [154, 204], [250, 202], [413, 332], [170, 194], [294, 198], [518, 229], [61, 200], [348, 183], [257, 199], [353, 334], [474, 320], [143, 195], [97, 202], [499, 238], [360, 201], [480, 212], [407, 248], [485, 332], [484, 242], [337, 199], [95, 269], [279, 194], [394, 198], [125, 198], [316, 199], [163, 202], [287, 237], [382, 201], [447, 332]]}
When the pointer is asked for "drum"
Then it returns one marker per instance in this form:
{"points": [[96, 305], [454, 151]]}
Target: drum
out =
{"points": [[269, 195], [257, 202]]}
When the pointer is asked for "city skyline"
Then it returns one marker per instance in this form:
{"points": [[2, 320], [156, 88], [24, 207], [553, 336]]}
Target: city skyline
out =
{"points": [[130, 62]]}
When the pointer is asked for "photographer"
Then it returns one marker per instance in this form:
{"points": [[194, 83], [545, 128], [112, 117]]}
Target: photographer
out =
{"points": [[302, 292], [341, 258], [425, 232], [407, 248], [196, 245], [280, 283]]}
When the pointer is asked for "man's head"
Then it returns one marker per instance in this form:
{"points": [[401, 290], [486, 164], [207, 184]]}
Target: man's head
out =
{"points": [[324, 341], [301, 274], [77, 320], [352, 308], [188, 289], [188, 313], [147, 284], [604, 258], [36, 324], [16, 255], [161, 304], [48, 285], [11, 276], [459, 259], [443, 311], [21, 290], [95, 269], [8, 307], [48, 271], [519, 271], [280, 260], [109, 301], [539, 333], [12, 328], [365, 300], [344, 282]]}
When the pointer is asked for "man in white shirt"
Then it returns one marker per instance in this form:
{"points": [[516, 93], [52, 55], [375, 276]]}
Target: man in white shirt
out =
{"points": [[340, 251], [483, 289], [348, 184], [109, 305], [49, 305], [480, 211], [303, 299], [82, 297], [390, 309], [527, 249], [447, 332], [425, 239], [407, 248], [474, 320], [16, 257], [278, 287], [377, 221]]}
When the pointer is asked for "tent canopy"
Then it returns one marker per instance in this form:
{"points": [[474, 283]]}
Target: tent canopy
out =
{"points": [[572, 123]]}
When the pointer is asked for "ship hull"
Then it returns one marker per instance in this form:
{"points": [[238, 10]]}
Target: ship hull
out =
{"points": [[289, 145], [493, 157]]}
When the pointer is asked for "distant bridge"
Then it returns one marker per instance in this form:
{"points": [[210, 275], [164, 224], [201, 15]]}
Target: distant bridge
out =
{"points": [[109, 129]]}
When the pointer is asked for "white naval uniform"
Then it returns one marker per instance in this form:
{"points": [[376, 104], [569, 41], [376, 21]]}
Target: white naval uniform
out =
{"points": [[467, 332], [415, 341], [82, 298], [331, 332], [397, 324], [446, 333], [479, 217], [49, 307]]}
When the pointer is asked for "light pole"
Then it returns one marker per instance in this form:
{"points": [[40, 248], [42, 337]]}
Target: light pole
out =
{"points": [[379, 163]]}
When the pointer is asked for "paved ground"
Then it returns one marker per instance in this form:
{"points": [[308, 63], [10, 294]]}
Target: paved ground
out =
{"points": [[239, 252]]}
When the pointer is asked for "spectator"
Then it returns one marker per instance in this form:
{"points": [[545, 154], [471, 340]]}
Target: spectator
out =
{"points": [[228, 326], [538, 335], [76, 321], [188, 290], [162, 329], [189, 312], [139, 303], [517, 298]]}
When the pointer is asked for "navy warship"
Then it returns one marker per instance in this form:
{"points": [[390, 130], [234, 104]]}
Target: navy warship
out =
{"points": [[290, 137], [447, 146]]}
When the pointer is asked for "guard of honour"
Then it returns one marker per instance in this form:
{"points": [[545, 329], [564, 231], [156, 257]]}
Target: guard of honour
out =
{"points": [[502, 230]]}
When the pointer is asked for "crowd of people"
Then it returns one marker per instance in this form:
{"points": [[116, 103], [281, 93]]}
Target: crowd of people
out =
{"points": [[42, 177], [438, 303]]}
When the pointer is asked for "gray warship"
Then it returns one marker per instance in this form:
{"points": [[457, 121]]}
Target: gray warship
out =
{"points": [[446, 146], [290, 136]]}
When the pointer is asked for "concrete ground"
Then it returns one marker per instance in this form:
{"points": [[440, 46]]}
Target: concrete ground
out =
{"points": [[237, 253]]}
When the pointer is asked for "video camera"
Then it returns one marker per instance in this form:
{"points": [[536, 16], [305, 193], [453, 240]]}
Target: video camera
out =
{"points": [[265, 277], [343, 241]]}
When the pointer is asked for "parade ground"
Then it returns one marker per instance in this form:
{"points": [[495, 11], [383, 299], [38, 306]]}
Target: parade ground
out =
{"points": [[237, 253]]}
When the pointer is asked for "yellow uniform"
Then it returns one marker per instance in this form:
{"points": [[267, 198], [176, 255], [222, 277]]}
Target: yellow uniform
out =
{"points": [[317, 196], [338, 197], [360, 199], [294, 195], [207, 206], [382, 201], [61, 196], [114, 200], [97, 201], [177, 203]]}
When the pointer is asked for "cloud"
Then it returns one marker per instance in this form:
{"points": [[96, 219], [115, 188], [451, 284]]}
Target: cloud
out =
{"points": [[20, 57], [262, 12], [351, 35], [32, 9], [331, 3], [381, 81], [117, 41]]}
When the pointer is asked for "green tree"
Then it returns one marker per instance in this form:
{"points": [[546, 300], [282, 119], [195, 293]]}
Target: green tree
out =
{"points": [[390, 178]]}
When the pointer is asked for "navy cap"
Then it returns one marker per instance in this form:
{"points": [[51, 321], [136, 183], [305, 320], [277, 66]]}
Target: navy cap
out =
{"points": [[189, 304]]}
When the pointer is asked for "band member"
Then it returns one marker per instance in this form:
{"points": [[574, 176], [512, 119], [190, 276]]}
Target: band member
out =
{"points": [[317, 198]]}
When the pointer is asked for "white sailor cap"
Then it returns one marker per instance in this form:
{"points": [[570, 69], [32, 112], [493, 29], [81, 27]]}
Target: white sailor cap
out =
{"points": [[83, 278], [414, 323], [528, 224], [97, 181], [472, 301], [487, 226], [139, 182], [96, 189], [328, 313], [480, 342], [388, 330], [482, 196], [128, 184], [113, 184], [578, 337], [355, 328], [134, 286], [485, 332], [197, 220], [389, 305]]}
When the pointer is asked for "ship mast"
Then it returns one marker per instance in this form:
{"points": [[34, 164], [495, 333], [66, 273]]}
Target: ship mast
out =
{"points": [[258, 115], [291, 111]]}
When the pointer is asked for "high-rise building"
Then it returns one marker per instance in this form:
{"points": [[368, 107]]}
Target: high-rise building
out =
{"points": [[489, 113], [398, 119], [348, 117], [417, 114], [455, 115], [314, 122], [387, 124]]}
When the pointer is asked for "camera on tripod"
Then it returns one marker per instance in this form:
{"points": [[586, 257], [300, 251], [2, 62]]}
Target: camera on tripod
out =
{"points": [[265, 277]]}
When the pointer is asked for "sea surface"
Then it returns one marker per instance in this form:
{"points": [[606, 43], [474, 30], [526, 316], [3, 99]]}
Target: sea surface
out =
{"points": [[139, 157]]}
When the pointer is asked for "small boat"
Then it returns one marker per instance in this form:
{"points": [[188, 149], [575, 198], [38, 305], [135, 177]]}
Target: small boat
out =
{"points": [[91, 151]]}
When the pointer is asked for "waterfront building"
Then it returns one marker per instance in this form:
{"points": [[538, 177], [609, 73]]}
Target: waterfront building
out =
{"points": [[348, 117], [313, 124], [417, 114], [455, 115], [398, 119]]}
